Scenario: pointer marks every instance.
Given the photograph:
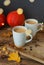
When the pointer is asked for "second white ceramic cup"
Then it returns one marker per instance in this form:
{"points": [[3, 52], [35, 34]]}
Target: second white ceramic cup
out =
{"points": [[33, 27]]}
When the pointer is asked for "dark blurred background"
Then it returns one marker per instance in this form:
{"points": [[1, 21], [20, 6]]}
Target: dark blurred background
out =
{"points": [[31, 10]]}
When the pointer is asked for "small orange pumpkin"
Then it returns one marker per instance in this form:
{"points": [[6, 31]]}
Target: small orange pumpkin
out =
{"points": [[16, 18], [2, 20]]}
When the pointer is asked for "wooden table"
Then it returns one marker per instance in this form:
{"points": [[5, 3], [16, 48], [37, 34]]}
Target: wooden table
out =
{"points": [[25, 61]]}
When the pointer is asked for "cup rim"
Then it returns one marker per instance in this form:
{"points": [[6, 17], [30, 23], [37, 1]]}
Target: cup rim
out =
{"points": [[19, 27], [32, 19]]}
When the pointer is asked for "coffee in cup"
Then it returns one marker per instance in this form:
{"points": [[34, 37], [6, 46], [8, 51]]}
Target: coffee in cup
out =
{"points": [[19, 30], [31, 22]]}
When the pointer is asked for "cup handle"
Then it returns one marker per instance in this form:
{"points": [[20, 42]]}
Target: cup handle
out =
{"points": [[29, 39], [39, 25]]}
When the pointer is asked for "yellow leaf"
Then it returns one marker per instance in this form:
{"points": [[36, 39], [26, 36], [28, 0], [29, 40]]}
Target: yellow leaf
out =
{"points": [[14, 56]]}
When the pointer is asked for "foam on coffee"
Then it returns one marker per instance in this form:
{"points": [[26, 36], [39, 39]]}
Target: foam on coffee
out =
{"points": [[19, 30], [31, 22]]}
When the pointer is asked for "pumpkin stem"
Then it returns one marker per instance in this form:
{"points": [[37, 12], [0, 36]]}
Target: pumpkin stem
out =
{"points": [[20, 11]]}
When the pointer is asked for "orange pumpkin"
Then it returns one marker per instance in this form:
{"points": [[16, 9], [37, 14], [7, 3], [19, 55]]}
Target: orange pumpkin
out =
{"points": [[16, 18], [2, 20]]}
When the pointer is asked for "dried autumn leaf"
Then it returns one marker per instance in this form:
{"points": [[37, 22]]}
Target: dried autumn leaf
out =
{"points": [[14, 57]]}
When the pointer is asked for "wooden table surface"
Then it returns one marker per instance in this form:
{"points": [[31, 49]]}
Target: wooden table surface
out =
{"points": [[25, 61]]}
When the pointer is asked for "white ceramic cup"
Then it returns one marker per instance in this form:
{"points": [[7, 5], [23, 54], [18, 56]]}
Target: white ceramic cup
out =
{"points": [[20, 38], [33, 27]]}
